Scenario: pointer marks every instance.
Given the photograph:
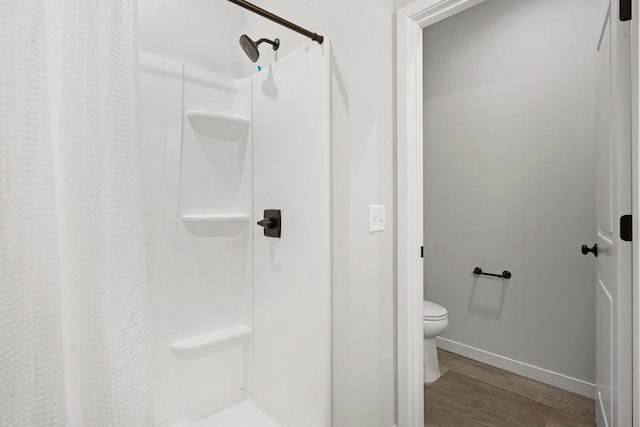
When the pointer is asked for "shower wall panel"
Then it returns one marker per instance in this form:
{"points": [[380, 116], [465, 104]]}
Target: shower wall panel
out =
{"points": [[292, 275], [197, 175]]}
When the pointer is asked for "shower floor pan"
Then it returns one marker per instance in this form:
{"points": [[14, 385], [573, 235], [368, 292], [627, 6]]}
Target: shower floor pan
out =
{"points": [[239, 409]]}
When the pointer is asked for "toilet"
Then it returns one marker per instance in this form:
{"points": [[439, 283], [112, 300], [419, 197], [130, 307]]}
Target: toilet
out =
{"points": [[434, 322]]}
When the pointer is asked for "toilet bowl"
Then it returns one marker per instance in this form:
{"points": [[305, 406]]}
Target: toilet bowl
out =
{"points": [[434, 322]]}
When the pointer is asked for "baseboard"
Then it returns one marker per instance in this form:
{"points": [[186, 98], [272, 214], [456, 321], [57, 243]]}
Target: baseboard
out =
{"points": [[539, 374]]}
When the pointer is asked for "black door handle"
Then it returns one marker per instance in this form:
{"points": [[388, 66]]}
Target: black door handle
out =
{"points": [[586, 249]]}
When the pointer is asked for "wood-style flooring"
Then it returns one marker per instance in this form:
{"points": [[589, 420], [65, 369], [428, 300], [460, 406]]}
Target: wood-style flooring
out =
{"points": [[471, 394]]}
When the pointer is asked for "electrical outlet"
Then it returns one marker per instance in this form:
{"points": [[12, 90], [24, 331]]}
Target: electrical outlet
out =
{"points": [[377, 221]]}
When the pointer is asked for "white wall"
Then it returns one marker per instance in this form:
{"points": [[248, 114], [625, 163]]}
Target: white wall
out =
{"points": [[400, 3], [510, 179], [201, 33], [362, 174]]}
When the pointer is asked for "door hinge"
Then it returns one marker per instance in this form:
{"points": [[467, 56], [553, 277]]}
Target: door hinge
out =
{"points": [[626, 228], [421, 251], [625, 10]]}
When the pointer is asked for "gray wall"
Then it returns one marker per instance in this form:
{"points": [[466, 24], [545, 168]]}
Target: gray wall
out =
{"points": [[510, 179]]}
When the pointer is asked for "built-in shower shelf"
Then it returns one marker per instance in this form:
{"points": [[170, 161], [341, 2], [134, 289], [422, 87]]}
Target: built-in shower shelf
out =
{"points": [[219, 126], [215, 218], [218, 336]]}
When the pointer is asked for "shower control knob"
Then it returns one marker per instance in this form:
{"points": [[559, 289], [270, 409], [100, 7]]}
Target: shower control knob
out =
{"points": [[586, 249], [267, 223], [271, 223]]}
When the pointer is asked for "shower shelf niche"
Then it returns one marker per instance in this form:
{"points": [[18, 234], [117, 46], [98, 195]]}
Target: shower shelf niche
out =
{"points": [[219, 126], [215, 218], [216, 337]]}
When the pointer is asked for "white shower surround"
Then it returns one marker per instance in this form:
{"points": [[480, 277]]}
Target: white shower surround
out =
{"points": [[219, 324], [362, 167], [183, 262]]}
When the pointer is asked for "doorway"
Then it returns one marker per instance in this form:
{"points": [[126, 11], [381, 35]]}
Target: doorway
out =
{"points": [[411, 21]]}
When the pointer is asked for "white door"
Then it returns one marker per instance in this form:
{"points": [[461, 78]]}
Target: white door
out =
{"points": [[613, 278], [292, 274]]}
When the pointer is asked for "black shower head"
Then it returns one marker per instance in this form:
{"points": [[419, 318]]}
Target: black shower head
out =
{"points": [[251, 48]]}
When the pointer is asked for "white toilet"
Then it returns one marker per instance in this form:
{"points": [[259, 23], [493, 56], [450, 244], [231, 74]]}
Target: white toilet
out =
{"points": [[434, 322]]}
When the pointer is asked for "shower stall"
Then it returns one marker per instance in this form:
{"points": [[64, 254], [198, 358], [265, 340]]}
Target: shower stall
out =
{"points": [[240, 316], [165, 227]]}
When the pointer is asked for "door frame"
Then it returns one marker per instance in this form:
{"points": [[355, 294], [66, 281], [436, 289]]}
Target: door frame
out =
{"points": [[635, 203], [410, 21]]}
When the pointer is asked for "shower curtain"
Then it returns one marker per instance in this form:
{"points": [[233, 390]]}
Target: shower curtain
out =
{"points": [[73, 316]]}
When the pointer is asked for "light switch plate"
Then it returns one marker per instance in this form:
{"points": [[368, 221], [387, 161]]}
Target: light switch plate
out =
{"points": [[377, 221]]}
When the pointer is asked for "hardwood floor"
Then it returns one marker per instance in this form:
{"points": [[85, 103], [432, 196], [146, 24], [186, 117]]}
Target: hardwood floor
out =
{"points": [[471, 394]]}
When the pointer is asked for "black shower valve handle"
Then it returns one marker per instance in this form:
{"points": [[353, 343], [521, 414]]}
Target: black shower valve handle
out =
{"points": [[271, 223], [267, 223]]}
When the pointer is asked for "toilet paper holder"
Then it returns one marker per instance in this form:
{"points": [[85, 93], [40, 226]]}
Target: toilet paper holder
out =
{"points": [[505, 274]]}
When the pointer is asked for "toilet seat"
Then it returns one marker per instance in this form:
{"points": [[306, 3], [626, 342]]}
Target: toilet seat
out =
{"points": [[432, 311]]}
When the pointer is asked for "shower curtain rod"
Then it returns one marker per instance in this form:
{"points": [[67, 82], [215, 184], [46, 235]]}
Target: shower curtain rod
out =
{"points": [[275, 18]]}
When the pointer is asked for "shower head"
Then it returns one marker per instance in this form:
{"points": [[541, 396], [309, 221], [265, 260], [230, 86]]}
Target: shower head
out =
{"points": [[251, 48]]}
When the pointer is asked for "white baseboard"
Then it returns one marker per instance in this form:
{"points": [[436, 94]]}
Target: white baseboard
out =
{"points": [[539, 374]]}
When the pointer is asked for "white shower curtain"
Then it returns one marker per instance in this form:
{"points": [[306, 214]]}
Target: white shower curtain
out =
{"points": [[73, 338]]}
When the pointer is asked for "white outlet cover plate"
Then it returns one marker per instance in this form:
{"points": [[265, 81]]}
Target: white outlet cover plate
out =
{"points": [[377, 220]]}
